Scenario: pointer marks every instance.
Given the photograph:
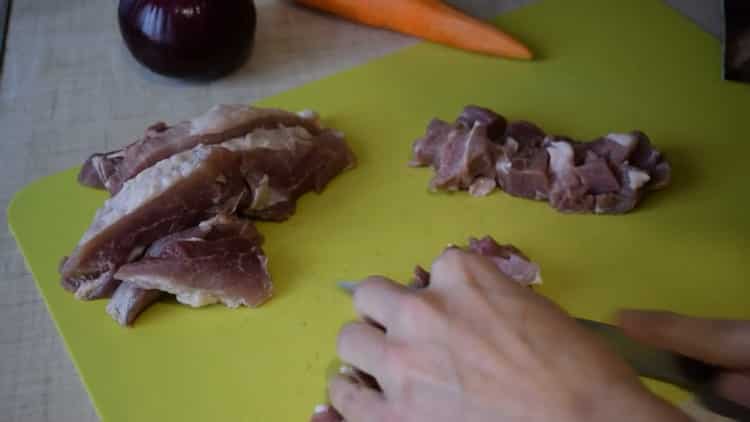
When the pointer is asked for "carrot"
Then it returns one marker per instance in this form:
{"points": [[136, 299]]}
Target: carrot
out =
{"points": [[429, 19]]}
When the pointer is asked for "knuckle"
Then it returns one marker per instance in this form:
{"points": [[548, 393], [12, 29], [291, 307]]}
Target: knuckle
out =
{"points": [[346, 334], [416, 312], [397, 363], [342, 393], [455, 264], [366, 287]]}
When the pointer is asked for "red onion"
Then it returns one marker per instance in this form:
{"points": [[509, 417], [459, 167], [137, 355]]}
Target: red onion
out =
{"points": [[200, 39]]}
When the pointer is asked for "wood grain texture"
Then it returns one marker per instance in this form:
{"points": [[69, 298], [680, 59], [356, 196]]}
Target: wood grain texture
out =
{"points": [[68, 88]]}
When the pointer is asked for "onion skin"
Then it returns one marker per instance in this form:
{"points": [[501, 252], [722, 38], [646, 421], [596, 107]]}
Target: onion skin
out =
{"points": [[193, 39]]}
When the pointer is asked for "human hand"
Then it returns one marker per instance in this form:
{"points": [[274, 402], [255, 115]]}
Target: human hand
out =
{"points": [[725, 343], [474, 346]]}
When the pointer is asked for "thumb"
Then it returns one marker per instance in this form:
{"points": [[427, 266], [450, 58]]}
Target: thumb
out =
{"points": [[725, 343], [735, 386]]}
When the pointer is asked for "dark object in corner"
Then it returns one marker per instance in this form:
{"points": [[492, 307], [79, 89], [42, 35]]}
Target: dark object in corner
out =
{"points": [[4, 18], [737, 40]]}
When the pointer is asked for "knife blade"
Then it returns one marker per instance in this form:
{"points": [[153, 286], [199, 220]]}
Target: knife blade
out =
{"points": [[649, 362]]}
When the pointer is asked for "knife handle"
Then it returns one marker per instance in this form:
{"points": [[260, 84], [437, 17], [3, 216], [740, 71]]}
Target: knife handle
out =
{"points": [[722, 406], [704, 374]]}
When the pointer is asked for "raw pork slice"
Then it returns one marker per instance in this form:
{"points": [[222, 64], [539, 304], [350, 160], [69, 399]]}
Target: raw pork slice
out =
{"points": [[260, 174], [173, 195], [221, 123], [220, 260], [481, 151]]}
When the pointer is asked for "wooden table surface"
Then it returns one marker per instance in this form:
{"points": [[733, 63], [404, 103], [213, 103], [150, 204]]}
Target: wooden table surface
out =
{"points": [[69, 88]]}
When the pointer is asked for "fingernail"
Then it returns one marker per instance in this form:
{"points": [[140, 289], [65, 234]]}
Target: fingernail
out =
{"points": [[321, 408], [347, 370]]}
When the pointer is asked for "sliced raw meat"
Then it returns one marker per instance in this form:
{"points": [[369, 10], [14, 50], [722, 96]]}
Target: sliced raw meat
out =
{"points": [[220, 123], [607, 175], [175, 194], [261, 175], [508, 259], [281, 165], [221, 260], [129, 301]]}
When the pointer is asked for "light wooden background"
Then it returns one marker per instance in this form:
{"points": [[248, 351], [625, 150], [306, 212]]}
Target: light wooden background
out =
{"points": [[68, 88]]}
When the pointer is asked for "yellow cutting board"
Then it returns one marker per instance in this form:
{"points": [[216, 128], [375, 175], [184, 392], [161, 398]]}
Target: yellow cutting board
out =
{"points": [[604, 66]]}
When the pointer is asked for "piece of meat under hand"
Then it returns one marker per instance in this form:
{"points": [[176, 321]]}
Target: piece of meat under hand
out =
{"points": [[606, 176], [221, 123], [508, 259], [219, 261]]}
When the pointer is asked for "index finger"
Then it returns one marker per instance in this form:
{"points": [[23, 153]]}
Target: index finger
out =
{"points": [[721, 342]]}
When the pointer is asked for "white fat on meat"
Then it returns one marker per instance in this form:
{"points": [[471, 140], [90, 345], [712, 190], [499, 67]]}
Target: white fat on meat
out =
{"points": [[156, 179], [264, 196], [222, 117], [147, 185], [560, 157], [276, 139], [627, 140], [511, 145], [637, 178], [309, 115], [482, 186], [282, 138], [186, 295]]}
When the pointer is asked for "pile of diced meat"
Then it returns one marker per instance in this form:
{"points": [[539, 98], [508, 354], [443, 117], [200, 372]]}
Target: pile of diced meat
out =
{"points": [[178, 220], [508, 259], [482, 151]]}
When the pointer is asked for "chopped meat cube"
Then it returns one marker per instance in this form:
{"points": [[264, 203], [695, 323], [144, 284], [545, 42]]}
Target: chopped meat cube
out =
{"points": [[607, 175], [597, 176], [615, 147], [525, 175], [219, 261], [465, 156], [525, 133], [495, 123], [426, 149], [661, 176]]}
